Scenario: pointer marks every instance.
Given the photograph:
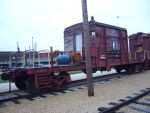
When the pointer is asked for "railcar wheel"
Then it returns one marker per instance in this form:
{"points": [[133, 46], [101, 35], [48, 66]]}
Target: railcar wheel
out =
{"points": [[31, 88], [20, 83], [140, 69], [130, 70], [84, 71], [118, 70], [66, 77], [94, 70], [65, 74]]}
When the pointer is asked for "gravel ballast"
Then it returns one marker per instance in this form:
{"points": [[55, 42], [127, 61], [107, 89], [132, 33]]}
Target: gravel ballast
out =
{"points": [[79, 102]]}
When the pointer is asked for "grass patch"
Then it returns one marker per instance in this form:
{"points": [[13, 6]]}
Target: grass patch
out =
{"points": [[2, 81], [75, 72]]}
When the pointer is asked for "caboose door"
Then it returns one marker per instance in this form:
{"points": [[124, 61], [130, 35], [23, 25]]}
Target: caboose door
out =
{"points": [[78, 43]]}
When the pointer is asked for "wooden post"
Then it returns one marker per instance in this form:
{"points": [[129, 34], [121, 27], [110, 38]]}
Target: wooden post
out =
{"points": [[87, 49], [25, 57], [18, 55], [51, 51]]}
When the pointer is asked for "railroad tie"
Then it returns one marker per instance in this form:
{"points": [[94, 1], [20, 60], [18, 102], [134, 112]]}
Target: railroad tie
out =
{"points": [[101, 109], [142, 103], [2, 105], [15, 101], [122, 100], [140, 109], [113, 103], [148, 99], [30, 98], [42, 96]]}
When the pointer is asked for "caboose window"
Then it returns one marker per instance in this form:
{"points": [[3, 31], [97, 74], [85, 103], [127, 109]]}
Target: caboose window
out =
{"points": [[79, 43], [113, 44], [116, 45], [112, 32], [68, 43], [93, 34]]}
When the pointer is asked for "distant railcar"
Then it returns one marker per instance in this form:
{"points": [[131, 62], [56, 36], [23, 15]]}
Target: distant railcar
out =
{"points": [[140, 49]]}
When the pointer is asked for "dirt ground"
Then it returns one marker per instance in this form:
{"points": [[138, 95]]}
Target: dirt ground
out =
{"points": [[79, 102]]}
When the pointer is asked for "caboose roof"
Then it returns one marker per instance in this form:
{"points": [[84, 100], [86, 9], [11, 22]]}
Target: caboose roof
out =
{"points": [[80, 25]]}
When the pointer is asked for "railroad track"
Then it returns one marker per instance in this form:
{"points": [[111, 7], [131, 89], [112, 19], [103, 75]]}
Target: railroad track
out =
{"points": [[15, 96], [140, 102]]}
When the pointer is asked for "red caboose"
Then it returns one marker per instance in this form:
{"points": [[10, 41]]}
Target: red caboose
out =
{"points": [[108, 45]]}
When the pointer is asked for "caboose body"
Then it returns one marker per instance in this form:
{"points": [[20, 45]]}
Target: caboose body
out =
{"points": [[108, 44]]}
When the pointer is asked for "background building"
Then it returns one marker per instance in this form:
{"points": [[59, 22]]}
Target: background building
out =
{"points": [[13, 58]]}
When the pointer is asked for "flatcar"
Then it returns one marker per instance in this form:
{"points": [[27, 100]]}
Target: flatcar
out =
{"points": [[108, 47]]}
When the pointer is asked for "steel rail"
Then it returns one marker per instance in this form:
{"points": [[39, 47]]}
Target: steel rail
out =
{"points": [[24, 94], [124, 103]]}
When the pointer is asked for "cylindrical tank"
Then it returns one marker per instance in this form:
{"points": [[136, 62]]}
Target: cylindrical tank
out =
{"points": [[63, 59]]}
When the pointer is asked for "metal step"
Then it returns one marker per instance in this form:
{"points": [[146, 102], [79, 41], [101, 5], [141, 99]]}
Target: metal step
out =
{"points": [[42, 80]]}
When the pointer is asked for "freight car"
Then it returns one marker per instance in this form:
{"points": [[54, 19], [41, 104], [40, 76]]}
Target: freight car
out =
{"points": [[139, 58], [108, 47]]}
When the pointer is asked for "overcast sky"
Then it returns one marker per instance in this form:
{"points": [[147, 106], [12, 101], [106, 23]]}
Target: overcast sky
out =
{"points": [[45, 20]]}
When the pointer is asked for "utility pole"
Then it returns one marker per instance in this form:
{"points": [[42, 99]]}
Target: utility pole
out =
{"points": [[87, 48], [32, 53]]}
